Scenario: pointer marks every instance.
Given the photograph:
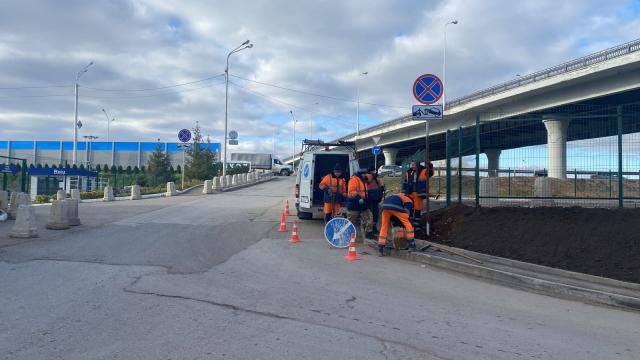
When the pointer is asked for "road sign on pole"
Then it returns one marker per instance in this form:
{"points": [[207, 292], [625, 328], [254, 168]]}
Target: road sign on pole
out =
{"points": [[428, 89], [376, 139], [184, 135], [426, 112], [376, 150]]}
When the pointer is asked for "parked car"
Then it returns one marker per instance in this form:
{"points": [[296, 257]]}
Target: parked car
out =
{"points": [[389, 170]]}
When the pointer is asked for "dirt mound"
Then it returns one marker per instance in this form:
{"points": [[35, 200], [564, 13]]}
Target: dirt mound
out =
{"points": [[601, 242]]}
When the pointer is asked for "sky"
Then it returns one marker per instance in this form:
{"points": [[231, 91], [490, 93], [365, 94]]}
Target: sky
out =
{"points": [[159, 65]]}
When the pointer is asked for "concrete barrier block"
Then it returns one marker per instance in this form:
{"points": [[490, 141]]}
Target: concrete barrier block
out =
{"points": [[17, 199], [234, 180], [108, 194], [4, 200], [489, 187], [223, 182], [61, 195], [171, 189], [72, 211], [135, 192], [75, 194], [542, 188], [58, 215], [25, 225], [215, 184], [228, 181], [206, 188]]}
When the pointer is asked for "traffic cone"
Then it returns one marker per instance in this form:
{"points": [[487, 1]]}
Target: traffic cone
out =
{"points": [[294, 233], [352, 255], [286, 208], [283, 223]]}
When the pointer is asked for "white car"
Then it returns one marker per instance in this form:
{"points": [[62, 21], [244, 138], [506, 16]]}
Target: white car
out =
{"points": [[389, 170]]}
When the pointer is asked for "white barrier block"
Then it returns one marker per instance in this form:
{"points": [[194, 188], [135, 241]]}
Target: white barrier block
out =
{"points": [[72, 212], [25, 226], [135, 192], [108, 194], [58, 216], [17, 199], [228, 181], [206, 188], [171, 189], [215, 184], [61, 195], [75, 194], [4, 200], [234, 180]]}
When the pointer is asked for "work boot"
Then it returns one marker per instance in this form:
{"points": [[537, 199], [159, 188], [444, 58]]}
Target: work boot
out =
{"points": [[412, 246], [380, 250]]}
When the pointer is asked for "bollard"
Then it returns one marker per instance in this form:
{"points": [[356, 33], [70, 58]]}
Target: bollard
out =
{"points": [[17, 199], [61, 195], [489, 187], [4, 201], [108, 194], [228, 181], [72, 212], [75, 194], [234, 180], [58, 216], [135, 192], [171, 189], [25, 226], [250, 178], [223, 182], [206, 188], [216, 186]]}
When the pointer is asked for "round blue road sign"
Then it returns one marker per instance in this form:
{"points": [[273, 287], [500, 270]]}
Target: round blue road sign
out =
{"points": [[427, 89], [184, 135], [306, 171], [376, 150], [338, 232]]}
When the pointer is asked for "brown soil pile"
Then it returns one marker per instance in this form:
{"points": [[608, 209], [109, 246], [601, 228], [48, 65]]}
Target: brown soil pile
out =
{"points": [[601, 242]]}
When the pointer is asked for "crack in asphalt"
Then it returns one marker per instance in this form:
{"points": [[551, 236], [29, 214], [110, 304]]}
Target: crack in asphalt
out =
{"points": [[384, 342]]}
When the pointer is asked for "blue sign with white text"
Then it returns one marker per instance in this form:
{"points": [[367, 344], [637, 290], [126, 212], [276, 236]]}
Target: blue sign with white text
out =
{"points": [[376, 150]]}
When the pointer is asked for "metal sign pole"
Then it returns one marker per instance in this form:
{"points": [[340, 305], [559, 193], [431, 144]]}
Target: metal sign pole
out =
{"points": [[426, 164], [375, 163], [183, 151]]}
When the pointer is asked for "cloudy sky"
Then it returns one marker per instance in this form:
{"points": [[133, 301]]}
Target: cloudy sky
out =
{"points": [[158, 65]]}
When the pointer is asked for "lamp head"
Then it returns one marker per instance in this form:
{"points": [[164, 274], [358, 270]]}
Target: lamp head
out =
{"points": [[245, 43], [249, 46], [455, 22]]}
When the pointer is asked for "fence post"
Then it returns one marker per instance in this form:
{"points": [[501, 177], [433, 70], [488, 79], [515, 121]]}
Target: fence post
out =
{"points": [[620, 180], [509, 182], [575, 183], [5, 180], [23, 171], [460, 139], [477, 180], [448, 155]]}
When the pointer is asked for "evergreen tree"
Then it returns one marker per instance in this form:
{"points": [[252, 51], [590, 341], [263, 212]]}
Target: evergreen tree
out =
{"points": [[157, 171], [200, 163]]}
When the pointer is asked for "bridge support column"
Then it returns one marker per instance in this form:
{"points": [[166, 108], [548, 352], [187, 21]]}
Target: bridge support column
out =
{"points": [[390, 155], [557, 126], [493, 161]]}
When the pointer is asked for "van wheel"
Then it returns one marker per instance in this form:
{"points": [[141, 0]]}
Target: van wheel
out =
{"points": [[285, 172], [305, 215]]}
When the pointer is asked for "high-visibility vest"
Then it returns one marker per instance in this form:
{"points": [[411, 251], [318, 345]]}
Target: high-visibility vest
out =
{"points": [[416, 184], [334, 187], [357, 191], [398, 202]]}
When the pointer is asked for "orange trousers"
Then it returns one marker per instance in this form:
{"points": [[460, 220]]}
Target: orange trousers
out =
{"points": [[386, 221], [417, 203], [337, 209]]}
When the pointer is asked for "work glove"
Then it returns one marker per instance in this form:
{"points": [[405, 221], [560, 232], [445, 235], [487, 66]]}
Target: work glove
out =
{"points": [[361, 201]]}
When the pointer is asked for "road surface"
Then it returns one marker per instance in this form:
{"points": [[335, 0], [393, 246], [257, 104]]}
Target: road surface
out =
{"points": [[208, 277]]}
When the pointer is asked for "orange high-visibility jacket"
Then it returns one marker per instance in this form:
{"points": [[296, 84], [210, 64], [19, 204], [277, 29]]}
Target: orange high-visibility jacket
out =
{"points": [[334, 185]]}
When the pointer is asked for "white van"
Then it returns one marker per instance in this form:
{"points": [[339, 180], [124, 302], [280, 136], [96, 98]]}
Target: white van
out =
{"points": [[312, 168]]}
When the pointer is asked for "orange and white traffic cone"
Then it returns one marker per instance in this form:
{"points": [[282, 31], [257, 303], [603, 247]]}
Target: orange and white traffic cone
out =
{"points": [[352, 255], [286, 208], [283, 223], [294, 233]]}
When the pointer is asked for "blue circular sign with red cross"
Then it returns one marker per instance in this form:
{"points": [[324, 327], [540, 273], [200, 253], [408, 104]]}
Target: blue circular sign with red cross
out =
{"points": [[184, 135], [427, 89]]}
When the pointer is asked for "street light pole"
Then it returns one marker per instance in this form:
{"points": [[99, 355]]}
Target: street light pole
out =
{"points": [[293, 158], [75, 119], [244, 45], [109, 120], [90, 148], [444, 64], [358, 104]]}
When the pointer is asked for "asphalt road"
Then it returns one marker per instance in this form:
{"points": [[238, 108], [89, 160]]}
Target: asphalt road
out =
{"points": [[208, 277]]}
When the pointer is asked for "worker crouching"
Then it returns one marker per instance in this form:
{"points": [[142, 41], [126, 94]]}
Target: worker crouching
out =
{"points": [[398, 206], [358, 212]]}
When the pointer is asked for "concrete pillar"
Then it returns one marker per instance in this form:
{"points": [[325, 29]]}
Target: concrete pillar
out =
{"points": [[75, 194], [206, 188], [108, 194], [489, 187], [58, 216], [493, 161], [171, 189], [556, 145], [389, 156], [542, 188], [61, 195], [135, 192], [25, 225], [72, 211], [4, 200]]}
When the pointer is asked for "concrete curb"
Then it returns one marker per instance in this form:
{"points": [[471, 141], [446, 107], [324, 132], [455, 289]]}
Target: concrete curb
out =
{"points": [[241, 186], [536, 278]]}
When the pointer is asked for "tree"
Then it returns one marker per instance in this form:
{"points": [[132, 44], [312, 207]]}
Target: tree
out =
{"points": [[158, 167], [201, 162], [128, 170]]}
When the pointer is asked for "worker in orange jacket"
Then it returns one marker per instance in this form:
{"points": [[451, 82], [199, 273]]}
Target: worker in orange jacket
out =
{"points": [[335, 192], [415, 184], [358, 212], [375, 194], [398, 206]]}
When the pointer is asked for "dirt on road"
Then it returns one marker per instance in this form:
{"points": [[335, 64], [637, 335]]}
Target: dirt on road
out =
{"points": [[601, 242]]}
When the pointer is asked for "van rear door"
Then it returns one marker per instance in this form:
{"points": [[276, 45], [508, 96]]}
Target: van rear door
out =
{"points": [[306, 183]]}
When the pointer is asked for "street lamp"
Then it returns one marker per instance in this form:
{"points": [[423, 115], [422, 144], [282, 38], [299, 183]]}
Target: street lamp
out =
{"points": [[358, 104], [90, 148], [444, 64], [244, 45], [75, 120], [109, 120], [293, 158]]}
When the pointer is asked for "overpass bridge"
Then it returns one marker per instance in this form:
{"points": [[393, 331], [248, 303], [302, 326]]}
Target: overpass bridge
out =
{"points": [[577, 100]]}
